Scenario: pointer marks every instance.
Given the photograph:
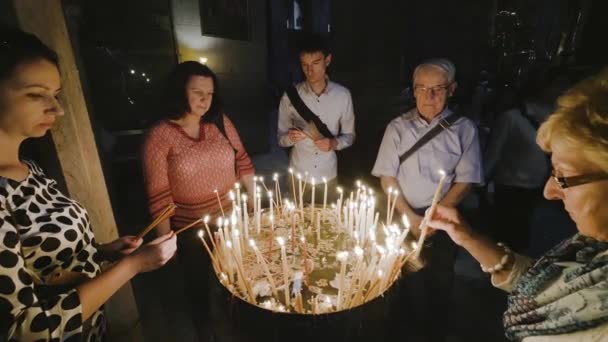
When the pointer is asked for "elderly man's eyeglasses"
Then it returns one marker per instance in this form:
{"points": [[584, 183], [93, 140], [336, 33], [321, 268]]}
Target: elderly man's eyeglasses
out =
{"points": [[568, 182], [436, 90]]}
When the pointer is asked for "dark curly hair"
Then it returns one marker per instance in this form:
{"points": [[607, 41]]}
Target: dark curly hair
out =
{"points": [[17, 47]]}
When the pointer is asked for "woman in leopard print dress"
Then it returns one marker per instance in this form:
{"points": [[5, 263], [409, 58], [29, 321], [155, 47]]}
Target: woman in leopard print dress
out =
{"points": [[52, 287]]}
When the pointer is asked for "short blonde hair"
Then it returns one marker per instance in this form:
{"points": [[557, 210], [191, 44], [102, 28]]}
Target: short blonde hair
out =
{"points": [[581, 120]]}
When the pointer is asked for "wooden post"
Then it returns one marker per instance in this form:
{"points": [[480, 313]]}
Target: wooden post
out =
{"points": [[77, 152]]}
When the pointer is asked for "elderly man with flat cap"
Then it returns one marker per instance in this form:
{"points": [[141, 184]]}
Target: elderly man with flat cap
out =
{"points": [[415, 147]]}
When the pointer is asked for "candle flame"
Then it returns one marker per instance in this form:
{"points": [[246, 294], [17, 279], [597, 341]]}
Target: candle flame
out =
{"points": [[358, 251], [200, 233], [244, 197], [206, 219], [237, 185], [220, 221], [339, 189], [229, 244], [441, 172], [324, 180], [269, 193], [313, 181], [342, 256], [252, 244], [231, 194], [380, 273], [281, 241], [291, 170]]}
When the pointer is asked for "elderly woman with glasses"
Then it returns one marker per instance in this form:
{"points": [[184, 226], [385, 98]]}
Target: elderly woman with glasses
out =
{"points": [[563, 296]]}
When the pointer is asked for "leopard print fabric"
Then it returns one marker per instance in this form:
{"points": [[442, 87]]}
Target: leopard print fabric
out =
{"points": [[42, 232]]}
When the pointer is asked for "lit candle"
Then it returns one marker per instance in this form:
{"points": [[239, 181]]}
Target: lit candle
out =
{"points": [[301, 194], [341, 256], [312, 202], [277, 189], [285, 269]]}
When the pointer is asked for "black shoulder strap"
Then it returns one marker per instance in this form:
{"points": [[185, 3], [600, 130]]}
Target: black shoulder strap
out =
{"points": [[443, 124], [305, 112]]}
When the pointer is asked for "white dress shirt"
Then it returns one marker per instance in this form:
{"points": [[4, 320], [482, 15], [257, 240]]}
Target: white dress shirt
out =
{"points": [[335, 108], [455, 151]]}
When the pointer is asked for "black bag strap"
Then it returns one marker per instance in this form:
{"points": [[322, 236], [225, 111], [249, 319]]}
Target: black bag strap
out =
{"points": [[443, 124], [305, 112]]}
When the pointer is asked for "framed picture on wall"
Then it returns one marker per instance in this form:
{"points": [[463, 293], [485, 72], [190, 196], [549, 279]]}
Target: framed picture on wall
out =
{"points": [[225, 18]]}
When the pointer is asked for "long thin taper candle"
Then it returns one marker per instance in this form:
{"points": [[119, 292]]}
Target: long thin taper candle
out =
{"points": [[285, 269], [388, 203], [430, 212], [324, 194], [312, 202], [393, 206], [341, 256], [219, 201], [293, 184]]}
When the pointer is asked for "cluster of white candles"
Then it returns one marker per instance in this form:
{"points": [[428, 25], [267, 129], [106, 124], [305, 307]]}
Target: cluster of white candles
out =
{"points": [[374, 255]]}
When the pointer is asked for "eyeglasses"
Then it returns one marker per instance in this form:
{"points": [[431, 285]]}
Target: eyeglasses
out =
{"points": [[436, 90], [568, 182]]}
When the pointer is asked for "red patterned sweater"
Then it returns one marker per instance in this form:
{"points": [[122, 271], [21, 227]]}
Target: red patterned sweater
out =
{"points": [[186, 171]]}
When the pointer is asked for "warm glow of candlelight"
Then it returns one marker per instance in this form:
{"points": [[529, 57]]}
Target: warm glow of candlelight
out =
{"points": [[406, 221], [206, 219], [281, 241]]}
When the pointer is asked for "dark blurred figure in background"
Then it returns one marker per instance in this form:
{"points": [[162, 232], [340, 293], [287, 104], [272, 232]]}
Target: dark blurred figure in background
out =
{"points": [[514, 162]]}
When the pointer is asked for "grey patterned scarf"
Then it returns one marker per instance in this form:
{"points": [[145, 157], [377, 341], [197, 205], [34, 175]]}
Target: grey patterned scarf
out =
{"points": [[565, 291]]}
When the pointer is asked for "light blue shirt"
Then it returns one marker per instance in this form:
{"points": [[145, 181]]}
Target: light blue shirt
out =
{"points": [[455, 151], [335, 108]]}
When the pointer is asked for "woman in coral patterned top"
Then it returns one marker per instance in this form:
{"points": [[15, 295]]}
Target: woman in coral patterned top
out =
{"points": [[194, 152]]}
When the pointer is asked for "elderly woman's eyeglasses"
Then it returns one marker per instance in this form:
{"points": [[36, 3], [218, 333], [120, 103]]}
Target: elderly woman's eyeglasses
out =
{"points": [[568, 182], [436, 90]]}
